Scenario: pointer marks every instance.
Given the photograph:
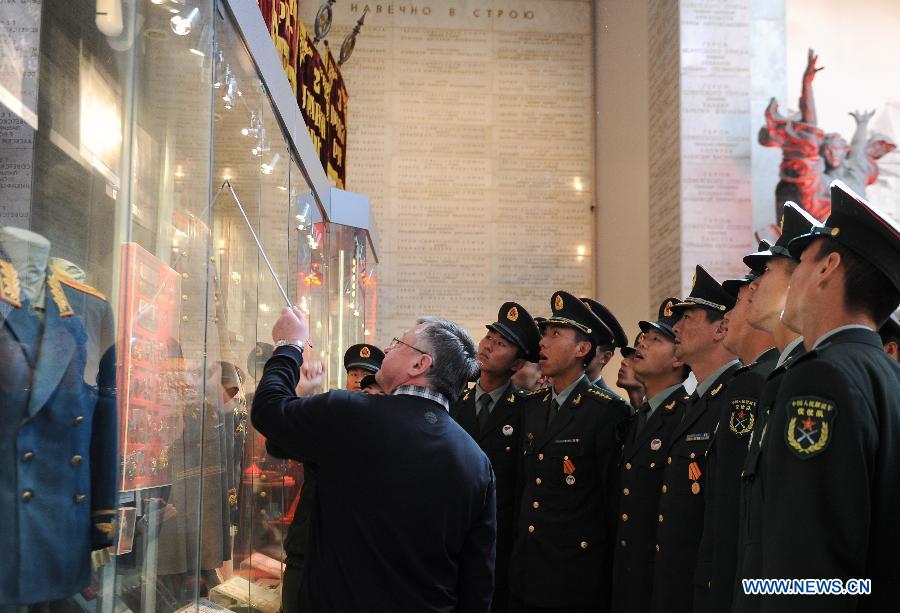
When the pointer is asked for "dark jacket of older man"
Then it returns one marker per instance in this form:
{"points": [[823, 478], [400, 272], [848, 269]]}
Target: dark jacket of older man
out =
{"points": [[405, 516]]}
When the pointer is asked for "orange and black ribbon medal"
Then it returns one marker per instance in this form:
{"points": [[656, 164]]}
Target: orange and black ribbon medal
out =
{"points": [[694, 473], [568, 469]]}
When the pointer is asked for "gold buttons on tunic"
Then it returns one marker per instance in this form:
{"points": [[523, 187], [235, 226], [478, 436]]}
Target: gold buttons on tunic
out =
{"points": [[540, 456], [622, 543], [657, 548], [565, 457], [693, 455], [624, 516], [531, 528], [77, 420], [626, 491], [584, 544], [537, 481], [536, 505], [652, 464], [665, 488], [669, 459], [76, 460], [628, 466], [79, 498], [660, 518], [508, 449], [26, 457], [26, 495]]}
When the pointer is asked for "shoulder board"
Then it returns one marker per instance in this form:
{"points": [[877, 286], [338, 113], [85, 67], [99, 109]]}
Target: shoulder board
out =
{"points": [[743, 369], [793, 361], [599, 393], [9, 284], [81, 287], [538, 392]]}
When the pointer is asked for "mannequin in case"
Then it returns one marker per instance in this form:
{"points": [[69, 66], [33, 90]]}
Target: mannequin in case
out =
{"points": [[59, 447]]}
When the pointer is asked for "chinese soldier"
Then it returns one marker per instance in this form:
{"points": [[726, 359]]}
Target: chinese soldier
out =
{"points": [[643, 458], [605, 353], [359, 361], [490, 413], [774, 267], [717, 555], [699, 342], [562, 556], [627, 380], [832, 442]]}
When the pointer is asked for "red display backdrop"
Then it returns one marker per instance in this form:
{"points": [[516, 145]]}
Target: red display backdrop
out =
{"points": [[283, 20], [149, 316]]}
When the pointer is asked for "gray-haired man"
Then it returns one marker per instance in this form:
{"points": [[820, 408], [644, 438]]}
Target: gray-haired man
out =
{"points": [[406, 514]]}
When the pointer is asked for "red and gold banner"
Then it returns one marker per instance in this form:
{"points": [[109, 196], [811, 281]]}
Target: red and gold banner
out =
{"points": [[336, 141], [312, 94], [317, 84], [283, 20]]}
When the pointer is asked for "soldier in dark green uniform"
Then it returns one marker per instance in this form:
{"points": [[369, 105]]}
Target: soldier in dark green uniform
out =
{"points": [[717, 555], [699, 335], [832, 443], [643, 458], [626, 379], [359, 360], [774, 267], [605, 353], [562, 556], [490, 412]]}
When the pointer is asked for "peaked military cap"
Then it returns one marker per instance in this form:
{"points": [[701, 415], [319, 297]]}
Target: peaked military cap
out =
{"points": [[706, 292], [862, 228], [665, 320], [620, 339], [629, 351], [571, 312], [367, 357], [794, 222], [517, 326]]}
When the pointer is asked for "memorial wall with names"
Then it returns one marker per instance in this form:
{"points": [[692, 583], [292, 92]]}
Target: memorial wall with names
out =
{"points": [[470, 128], [709, 60]]}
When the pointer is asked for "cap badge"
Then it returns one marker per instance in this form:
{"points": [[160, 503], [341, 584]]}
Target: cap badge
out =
{"points": [[507, 430], [512, 314], [667, 310], [558, 303], [655, 444], [365, 353]]}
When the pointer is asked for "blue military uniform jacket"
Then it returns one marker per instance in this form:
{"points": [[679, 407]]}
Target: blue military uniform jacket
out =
{"points": [[58, 446]]}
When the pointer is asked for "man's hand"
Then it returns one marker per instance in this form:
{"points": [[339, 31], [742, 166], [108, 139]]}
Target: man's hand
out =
{"points": [[291, 326], [312, 378]]}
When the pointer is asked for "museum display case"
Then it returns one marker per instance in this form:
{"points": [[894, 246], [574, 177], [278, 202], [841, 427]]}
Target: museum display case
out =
{"points": [[156, 214]]}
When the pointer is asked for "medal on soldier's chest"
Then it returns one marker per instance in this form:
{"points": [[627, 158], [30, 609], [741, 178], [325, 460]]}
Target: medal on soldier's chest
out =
{"points": [[569, 470]]}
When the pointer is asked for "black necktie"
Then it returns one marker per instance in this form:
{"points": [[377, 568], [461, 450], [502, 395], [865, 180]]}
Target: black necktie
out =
{"points": [[484, 411], [643, 416], [554, 410]]}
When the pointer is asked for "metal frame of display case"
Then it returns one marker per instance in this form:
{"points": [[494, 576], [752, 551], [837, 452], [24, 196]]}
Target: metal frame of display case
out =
{"points": [[338, 206]]}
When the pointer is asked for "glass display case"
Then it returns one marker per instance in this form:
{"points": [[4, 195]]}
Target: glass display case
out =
{"points": [[156, 214]]}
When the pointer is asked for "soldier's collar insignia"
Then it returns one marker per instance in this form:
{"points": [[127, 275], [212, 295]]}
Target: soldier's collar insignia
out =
{"points": [[365, 353], [466, 396], [546, 398], [810, 425], [512, 314], [670, 406], [59, 296], [715, 391], [743, 416], [687, 397], [667, 311], [576, 401], [511, 399], [10, 292], [558, 303]]}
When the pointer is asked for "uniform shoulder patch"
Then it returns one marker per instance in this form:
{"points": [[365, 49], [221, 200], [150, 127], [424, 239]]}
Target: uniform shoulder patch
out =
{"points": [[539, 391], [810, 425], [743, 416], [81, 287], [599, 394]]}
